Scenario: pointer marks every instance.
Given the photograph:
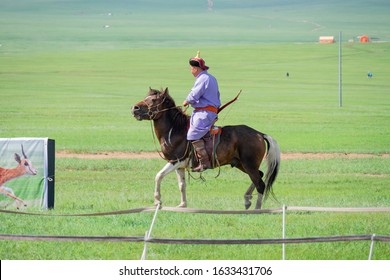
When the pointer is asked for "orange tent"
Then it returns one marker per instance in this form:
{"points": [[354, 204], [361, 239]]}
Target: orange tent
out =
{"points": [[364, 39]]}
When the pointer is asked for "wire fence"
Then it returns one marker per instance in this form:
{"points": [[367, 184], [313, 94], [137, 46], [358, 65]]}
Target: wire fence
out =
{"points": [[147, 239]]}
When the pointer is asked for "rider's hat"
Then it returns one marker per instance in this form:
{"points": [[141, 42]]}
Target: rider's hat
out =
{"points": [[197, 61]]}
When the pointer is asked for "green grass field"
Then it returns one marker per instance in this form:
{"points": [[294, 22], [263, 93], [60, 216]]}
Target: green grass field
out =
{"points": [[71, 70]]}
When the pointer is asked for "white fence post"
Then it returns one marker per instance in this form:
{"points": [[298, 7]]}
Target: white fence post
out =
{"points": [[148, 233], [371, 247], [284, 232], [143, 257]]}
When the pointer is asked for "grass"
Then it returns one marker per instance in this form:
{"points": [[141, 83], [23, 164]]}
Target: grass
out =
{"points": [[97, 89], [82, 186], [38, 26], [66, 77]]}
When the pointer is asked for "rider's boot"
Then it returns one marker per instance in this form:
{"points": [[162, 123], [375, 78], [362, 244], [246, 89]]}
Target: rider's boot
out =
{"points": [[204, 160]]}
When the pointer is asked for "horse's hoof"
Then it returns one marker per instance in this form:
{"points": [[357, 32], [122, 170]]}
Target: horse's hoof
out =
{"points": [[247, 205], [182, 205]]}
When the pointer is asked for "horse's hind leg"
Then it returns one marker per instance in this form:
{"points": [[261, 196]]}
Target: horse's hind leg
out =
{"points": [[260, 190], [248, 196]]}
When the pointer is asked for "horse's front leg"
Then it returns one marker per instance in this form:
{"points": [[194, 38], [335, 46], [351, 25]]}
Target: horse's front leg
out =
{"points": [[168, 168], [181, 179]]}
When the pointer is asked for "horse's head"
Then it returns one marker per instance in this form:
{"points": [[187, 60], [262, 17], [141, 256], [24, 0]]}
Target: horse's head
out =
{"points": [[156, 102]]}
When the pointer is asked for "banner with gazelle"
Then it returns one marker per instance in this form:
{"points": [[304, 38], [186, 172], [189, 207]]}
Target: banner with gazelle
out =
{"points": [[25, 173]]}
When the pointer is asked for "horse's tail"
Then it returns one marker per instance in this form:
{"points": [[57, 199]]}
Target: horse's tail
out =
{"points": [[273, 164]]}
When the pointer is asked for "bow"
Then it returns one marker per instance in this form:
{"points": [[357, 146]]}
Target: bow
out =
{"points": [[230, 102]]}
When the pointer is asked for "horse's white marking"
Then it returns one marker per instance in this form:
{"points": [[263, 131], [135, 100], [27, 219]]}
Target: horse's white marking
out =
{"points": [[169, 136], [179, 167]]}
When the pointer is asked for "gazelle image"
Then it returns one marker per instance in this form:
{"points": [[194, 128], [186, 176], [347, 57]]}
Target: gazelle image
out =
{"points": [[24, 167]]}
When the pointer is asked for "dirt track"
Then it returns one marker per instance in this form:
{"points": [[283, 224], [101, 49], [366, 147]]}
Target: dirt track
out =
{"points": [[146, 155]]}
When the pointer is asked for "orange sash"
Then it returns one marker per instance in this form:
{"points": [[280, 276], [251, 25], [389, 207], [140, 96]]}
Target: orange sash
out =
{"points": [[208, 108]]}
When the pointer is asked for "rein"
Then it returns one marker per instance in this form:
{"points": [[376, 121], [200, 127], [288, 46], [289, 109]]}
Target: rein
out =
{"points": [[152, 115], [160, 152]]}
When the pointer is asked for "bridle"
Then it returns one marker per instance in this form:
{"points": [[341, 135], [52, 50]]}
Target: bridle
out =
{"points": [[152, 116], [152, 113]]}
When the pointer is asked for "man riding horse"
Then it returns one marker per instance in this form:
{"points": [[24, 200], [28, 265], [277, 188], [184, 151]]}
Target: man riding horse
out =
{"points": [[204, 97], [240, 146]]}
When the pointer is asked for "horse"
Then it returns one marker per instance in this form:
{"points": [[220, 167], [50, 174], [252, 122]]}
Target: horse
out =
{"points": [[240, 146]]}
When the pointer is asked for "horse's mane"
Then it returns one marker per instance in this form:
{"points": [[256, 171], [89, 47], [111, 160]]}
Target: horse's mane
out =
{"points": [[176, 114]]}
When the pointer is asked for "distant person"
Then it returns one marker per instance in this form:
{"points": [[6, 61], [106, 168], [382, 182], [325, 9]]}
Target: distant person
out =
{"points": [[204, 97]]}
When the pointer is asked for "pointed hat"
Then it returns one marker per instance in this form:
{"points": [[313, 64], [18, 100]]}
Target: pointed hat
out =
{"points": [[197, 61]]}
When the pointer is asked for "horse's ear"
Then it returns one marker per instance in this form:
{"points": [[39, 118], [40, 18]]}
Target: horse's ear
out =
{"points": [[151, 91], [166, 91]]}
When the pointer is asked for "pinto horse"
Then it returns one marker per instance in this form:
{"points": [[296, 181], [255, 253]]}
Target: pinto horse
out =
{"points": [[240, 146]]}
